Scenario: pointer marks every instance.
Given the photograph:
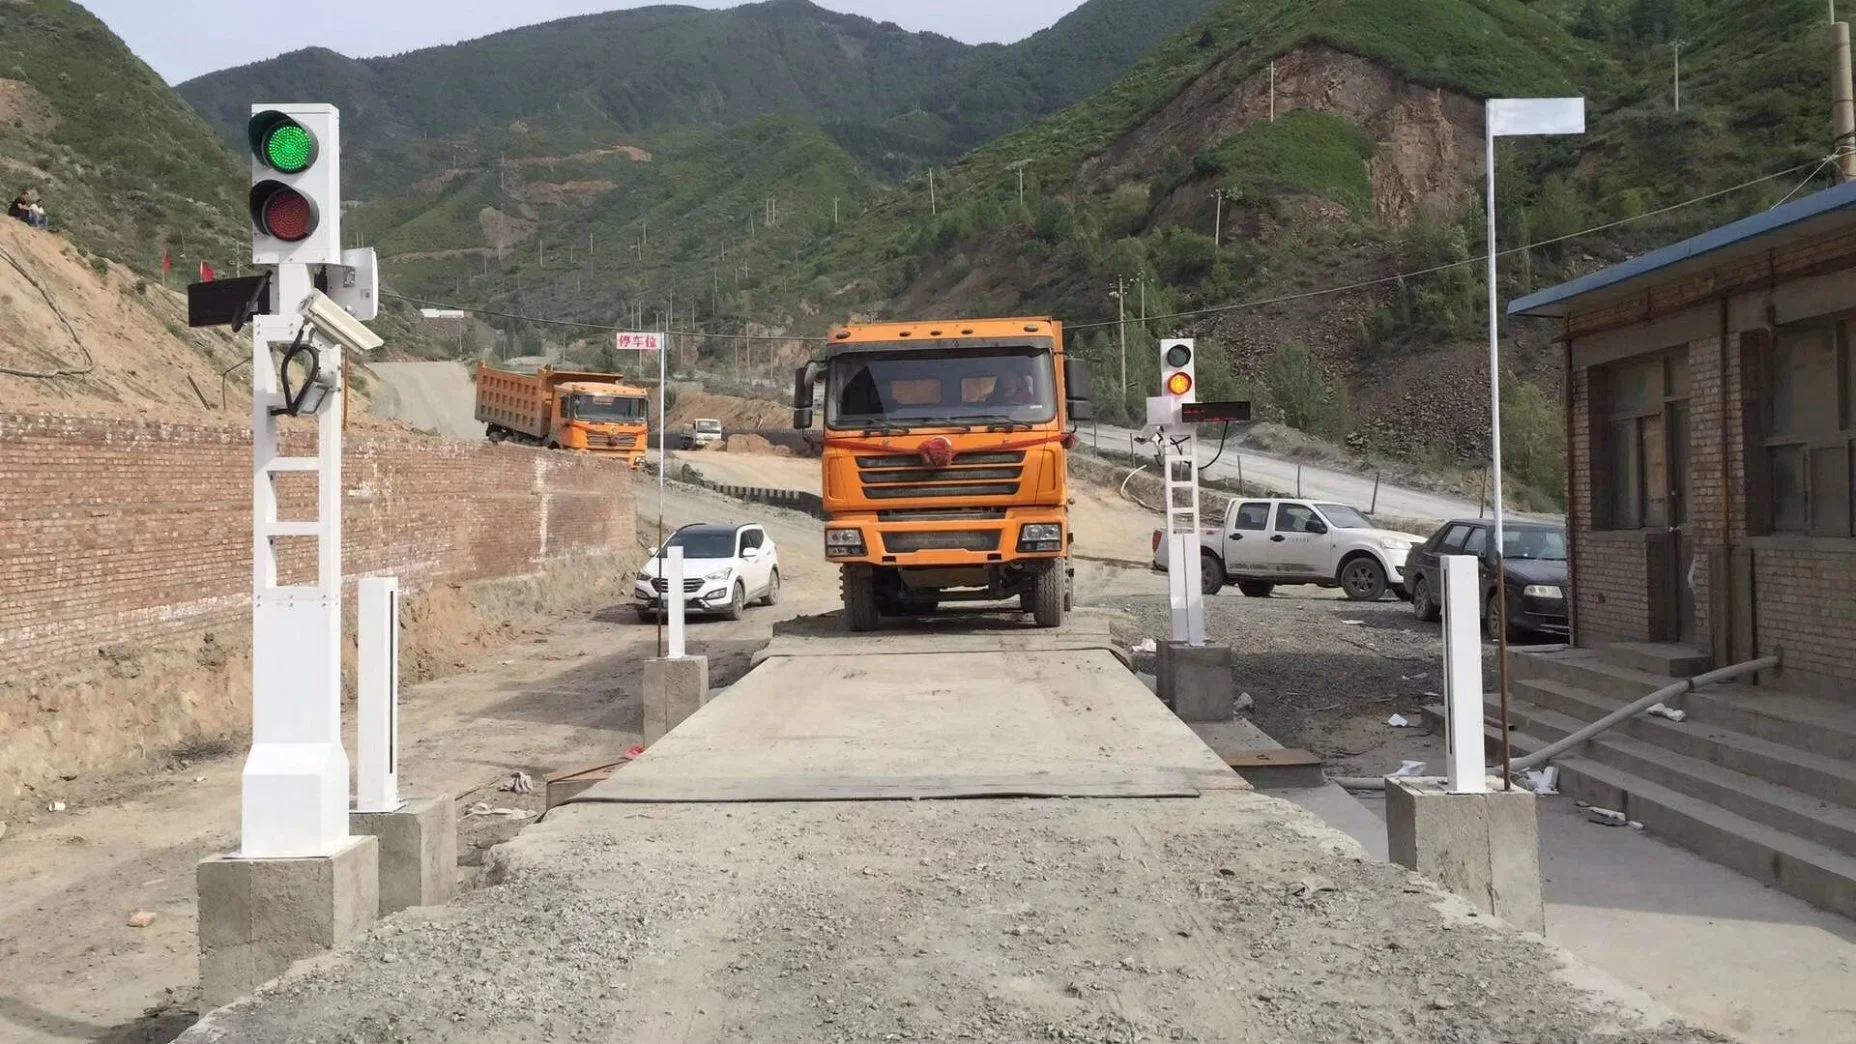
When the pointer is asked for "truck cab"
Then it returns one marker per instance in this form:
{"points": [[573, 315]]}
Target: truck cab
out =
{"points": [[946, 474], [603, 419]]}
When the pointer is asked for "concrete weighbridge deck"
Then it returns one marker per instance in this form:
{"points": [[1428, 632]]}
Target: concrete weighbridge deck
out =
{"points": [[781, 869]]}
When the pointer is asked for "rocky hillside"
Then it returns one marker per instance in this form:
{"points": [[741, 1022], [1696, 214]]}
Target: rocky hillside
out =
{"points": [[125, 167]]}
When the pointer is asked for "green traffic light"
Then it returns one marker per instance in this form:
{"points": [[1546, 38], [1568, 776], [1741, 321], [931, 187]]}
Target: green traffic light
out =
{"points": [[290, 149]]}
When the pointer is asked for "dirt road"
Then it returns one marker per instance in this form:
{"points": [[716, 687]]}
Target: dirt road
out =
{"points": [[432, 396], [565, 695]]}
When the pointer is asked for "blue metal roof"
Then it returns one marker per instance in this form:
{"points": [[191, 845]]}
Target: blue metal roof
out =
{"points": [[1800, 217]]}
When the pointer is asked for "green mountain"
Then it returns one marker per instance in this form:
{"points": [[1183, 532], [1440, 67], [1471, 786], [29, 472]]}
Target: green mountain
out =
{"points": [[892, 97], [125, 167]]}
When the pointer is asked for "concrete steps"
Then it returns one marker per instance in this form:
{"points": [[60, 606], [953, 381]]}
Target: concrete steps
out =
{"points": [[1826, 778], [1756, 779]]}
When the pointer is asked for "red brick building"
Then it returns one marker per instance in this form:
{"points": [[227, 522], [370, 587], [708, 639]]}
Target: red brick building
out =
{"points": [[1711, 416]]}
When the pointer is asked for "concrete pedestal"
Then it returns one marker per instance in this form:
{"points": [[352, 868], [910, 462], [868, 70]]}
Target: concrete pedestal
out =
{"points": [[260, 916], [674, 689], [1196, 682], [418, 851], [1483, 847]]}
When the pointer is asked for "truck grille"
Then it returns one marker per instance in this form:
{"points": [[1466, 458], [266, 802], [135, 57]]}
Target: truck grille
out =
{"points": [[611, 441], [973, 475], [943, 515], [689, 586], [976, 540]]}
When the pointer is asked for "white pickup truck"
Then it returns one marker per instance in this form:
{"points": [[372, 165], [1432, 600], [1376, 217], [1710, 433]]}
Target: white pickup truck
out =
{"points": [[1266, 543]]}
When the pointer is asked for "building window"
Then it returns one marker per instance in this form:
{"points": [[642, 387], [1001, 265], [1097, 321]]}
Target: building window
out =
{"points": [[1636, 473], [1806, 429]]}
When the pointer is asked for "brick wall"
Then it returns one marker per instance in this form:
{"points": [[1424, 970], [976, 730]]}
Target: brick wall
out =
{"points": [[119, 531], [1803, 610]]}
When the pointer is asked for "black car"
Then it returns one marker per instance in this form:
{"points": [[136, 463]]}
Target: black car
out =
{"points": [[1536, 570]]}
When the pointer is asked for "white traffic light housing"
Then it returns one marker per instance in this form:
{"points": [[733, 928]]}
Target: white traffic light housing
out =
{"points": [[296, 200], [1178, 371]]}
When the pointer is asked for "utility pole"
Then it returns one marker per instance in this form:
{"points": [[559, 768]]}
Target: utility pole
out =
{"points": [[834, 212], [1121, 305], [1218, 222], [934, 208], [1021, 184], [1272, 91], [1677, 45], [1843, 97]]}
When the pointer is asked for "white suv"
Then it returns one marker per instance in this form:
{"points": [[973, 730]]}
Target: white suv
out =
{"points": [[724, 568]]}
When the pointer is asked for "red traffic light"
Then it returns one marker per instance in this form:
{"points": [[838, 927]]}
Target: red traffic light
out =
{"points": [[282, 212]]}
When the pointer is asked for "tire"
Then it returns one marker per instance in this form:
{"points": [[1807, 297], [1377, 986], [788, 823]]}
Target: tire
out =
{"points": [[1363, 578], [1422, 605], [1492, 624], [1048, 595], [1256, 588], [1211, 573], [773, 590], [860, 609], [737, 602]]}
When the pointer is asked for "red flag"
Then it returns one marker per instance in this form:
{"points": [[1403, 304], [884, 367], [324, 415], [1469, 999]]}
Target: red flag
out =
{"points": [[206, 272], [167, 262]]}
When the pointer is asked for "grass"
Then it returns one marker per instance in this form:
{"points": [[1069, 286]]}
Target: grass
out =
{"points": [[1304, 152]]}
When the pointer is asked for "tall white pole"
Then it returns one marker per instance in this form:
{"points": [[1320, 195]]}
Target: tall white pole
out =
{"points": [[377, 710], [1495, 367], [1463, 709]]}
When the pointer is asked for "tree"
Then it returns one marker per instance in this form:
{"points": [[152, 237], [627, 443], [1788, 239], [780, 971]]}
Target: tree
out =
{"points": [[1299, 389]]}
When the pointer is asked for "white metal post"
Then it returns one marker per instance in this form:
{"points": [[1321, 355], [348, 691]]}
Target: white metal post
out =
{"points": [[1463, 708], [1185, 575], [377, 711], [295, 801], [673, 599]]}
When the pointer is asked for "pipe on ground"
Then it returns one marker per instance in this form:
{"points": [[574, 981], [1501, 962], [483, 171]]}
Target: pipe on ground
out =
{"points": [[1609, 721]]}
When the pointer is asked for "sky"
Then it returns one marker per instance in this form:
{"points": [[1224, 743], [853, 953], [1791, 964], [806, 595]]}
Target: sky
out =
{"points": [[186, 38]]}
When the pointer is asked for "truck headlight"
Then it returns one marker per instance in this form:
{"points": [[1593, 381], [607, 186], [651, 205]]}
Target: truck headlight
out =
{"points": [[1545, 592], [844, 543], [1043, 537]]}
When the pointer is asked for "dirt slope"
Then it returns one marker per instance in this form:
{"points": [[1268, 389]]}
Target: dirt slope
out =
{"points": [[113, 342]]}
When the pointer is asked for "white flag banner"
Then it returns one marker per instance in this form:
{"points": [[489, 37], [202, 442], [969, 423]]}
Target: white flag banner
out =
{"points": [[1510, 117], [640, 342]]}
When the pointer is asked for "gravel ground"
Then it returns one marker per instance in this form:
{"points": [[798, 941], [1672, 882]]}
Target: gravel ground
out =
{"points": [[1231, 917], [1326, 674]]}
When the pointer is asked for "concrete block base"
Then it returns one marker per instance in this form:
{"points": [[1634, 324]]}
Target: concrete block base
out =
{"points": [[674, 689], [1483, 847], [418, 851], [1196, 682], [260, 916]]}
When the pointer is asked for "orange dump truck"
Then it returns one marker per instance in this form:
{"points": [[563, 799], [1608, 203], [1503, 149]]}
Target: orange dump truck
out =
{"points": [[946, 464], [593, 413]]}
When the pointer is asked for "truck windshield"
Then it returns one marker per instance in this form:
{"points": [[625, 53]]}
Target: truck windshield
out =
{"points": [[943, 387], [607, 409], [709, 427], [1341, 516]]}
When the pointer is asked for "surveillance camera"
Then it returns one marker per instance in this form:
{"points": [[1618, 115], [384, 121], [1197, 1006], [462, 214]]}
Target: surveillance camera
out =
{"points": [[332, 322]]}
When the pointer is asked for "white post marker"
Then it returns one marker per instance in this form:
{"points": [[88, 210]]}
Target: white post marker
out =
{"points": [[1463, 709], [377, 723], [673, 599]]}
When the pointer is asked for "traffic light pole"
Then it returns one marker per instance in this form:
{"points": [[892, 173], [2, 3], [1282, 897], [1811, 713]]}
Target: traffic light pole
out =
{"points": [[1185, 573], [296, 777]]}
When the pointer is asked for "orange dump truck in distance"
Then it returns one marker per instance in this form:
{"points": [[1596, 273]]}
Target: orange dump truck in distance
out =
{"points": [[946, 469], [593, 413]]}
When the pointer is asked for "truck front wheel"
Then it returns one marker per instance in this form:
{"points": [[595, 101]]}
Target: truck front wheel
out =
{"points": [[1211, 573], [860, 605], [1363, 578], [1047, 595]]}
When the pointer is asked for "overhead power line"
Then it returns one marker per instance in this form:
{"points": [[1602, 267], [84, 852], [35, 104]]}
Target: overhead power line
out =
{"points": [[1477, 260], [600, 327]]}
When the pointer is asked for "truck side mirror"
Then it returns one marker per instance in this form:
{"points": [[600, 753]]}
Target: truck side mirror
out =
{"points": [[1076, 383], [1082, 410], [803, 380]]}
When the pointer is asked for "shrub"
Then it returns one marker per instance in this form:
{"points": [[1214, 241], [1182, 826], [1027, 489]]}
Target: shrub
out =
{"points": [[1299, 390], [1534, 440]]}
